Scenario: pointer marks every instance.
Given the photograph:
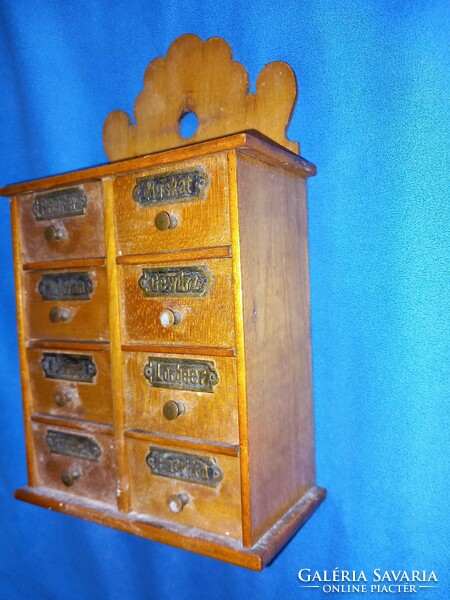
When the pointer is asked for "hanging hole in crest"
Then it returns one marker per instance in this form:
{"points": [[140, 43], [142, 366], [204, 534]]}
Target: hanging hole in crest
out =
{"points": [[187, 125]]}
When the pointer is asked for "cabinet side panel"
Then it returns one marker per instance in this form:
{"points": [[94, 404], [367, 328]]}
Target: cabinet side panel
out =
{"points": [[275, 288]]}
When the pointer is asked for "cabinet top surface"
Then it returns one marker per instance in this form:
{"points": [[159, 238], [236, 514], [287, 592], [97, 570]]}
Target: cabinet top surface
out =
{"points": [[250, 143]]}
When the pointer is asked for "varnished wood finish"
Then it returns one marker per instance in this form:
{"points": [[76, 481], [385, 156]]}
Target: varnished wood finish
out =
{"points": [[161, 257], [84, 232], [202, 78], [215, 546], [253, 323], [136, 230], [205, 321], [75, 263], [25, 381], [214, 509], [89, 318], [275, 312], [97, 478], [183, 442], [89, 401], [115, 326], [240, 353], [254, 143], [194, 350], [207, 416]]}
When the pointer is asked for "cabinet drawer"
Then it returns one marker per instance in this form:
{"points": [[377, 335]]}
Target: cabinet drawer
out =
{"points": [[201, 390], [200, 294], [66, 305], [158, 475], [75, 461], [62, 224], [72, 384], [195, 193]]}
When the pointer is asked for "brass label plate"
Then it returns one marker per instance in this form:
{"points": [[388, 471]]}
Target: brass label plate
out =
{"points": [[175, 186], [181, 374], [69, 367], [192, 468], [61, 203], [175, 281], [71, 444], [66, 286]]}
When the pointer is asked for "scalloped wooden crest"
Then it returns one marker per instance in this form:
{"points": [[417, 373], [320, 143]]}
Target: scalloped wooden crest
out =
{"points": [[202, 78]]}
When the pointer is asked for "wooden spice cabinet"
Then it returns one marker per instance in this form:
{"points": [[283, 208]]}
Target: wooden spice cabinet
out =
{"points": [[198, 433]]}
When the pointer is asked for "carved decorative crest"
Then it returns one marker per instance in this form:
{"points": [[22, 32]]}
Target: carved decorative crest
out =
{"points": [[202, 78]]}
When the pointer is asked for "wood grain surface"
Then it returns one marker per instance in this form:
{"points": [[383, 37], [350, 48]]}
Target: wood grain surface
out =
{"points": [[207, 416], [201, 222], [85, 237], [215, 509], [206, 321]]}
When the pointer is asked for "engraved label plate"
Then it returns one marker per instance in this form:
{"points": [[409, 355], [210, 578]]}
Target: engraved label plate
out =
{"points": [[69, 367], [203, 470], [175, 186], [66, 286], [61, 203], [175, 281], [181, 374], [71, 444]]}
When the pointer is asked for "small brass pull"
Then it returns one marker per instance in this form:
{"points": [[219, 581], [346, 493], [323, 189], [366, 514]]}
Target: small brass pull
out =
{"points": [[63, 397], [60, 314], [70, 477], [177, 502], [164, 221], [172, 410], [55, 233], [168, 317]]}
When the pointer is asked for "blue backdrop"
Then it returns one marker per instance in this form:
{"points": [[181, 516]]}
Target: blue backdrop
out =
{"points": [[373, 115]]}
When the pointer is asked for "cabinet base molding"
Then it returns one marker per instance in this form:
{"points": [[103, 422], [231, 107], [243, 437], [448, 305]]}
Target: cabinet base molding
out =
{"points": [[187, 538]]}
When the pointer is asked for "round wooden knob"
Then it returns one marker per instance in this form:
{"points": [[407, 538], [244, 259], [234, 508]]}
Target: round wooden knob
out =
{"points": [[172, 410], [164, 221], [70, 477], [168, 317], [62, 397], [177, 502], [55, 233], [59, 314]]}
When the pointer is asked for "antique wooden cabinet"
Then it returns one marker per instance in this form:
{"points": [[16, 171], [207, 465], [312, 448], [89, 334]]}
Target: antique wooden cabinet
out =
{"points": [[163, 311]]}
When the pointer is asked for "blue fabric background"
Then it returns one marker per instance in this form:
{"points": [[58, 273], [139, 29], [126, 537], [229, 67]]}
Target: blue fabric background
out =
{"points": [[373, 115]]}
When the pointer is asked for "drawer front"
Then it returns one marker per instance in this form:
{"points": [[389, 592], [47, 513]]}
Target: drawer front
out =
{"points": [[76, 462], [190, 396], [67, 305], [201, 294], [62, 224], [214, 507], [195, 193], [71, 384]]}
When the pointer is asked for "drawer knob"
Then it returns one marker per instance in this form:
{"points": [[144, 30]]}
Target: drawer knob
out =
{"points": [[55, 233], [172, 410], [63, 397], [177, 502], [164, 221], [59, 314], [168, 317], [70, 477]]}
